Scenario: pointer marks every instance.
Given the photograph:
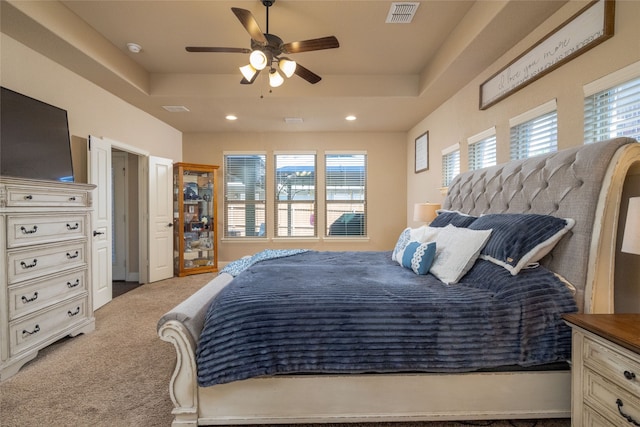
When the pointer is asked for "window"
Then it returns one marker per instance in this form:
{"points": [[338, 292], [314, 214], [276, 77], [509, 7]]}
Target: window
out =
{"points": [[450, 164], [482, 149], [612, 106], [295, 198], [535, 132], [346, 194], [244, 195]]}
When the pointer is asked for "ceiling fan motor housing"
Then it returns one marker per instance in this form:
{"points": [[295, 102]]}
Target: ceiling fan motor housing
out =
{"points": [[272, 49]]}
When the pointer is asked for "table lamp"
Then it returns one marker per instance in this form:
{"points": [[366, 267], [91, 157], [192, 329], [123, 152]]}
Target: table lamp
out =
{"points": [[425, 212]]}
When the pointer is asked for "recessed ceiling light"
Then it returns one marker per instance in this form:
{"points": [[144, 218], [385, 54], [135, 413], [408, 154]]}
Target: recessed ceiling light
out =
{"points": [[134, 47], [350, 118], [231, 117]]}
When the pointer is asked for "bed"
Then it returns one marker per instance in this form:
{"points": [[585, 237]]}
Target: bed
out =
{"points": [[582, 186]]}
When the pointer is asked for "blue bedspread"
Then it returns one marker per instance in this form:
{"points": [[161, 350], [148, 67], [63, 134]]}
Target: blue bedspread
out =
{"points": [[354, 312]]}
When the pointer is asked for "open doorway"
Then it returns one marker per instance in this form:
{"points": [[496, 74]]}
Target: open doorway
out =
{"points": [[125, 218]]}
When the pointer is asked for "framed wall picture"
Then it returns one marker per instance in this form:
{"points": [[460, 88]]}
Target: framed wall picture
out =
{"points": [[422, 152], [588, 28]]}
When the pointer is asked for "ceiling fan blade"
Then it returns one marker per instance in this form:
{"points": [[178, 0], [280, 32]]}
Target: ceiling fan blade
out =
{"points": [[244, 81], [307, 74], [329, 42], [218, 49], [250, 24]]}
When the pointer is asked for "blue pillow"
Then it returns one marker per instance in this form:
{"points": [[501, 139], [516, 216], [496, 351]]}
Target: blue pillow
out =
{"points": [[518, 240], [457, 219], [419, 256]]}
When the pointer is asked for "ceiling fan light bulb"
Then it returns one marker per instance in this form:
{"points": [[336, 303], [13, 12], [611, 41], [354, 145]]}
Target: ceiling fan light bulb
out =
{"points": [[248, 72], [287, 66], [275, 79], [258, 59]]}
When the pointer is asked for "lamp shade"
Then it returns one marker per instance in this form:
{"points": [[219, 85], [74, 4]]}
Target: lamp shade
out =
{"points": [[258, 59], [248, 72], [275, 79], [425, 212], [631, 238], [287, 66]]}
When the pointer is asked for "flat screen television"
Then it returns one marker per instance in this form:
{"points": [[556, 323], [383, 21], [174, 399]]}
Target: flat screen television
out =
{"points": [[34, 139]]}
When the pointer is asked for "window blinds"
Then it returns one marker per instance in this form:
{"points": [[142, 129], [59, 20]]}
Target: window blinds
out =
{"points": [[482, 149], [295, 198], [346, 194], [244, 195], [613, 112]]}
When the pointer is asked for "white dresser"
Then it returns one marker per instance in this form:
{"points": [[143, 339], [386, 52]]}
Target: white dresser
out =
{"points": [[45, 288], [605, 369]]}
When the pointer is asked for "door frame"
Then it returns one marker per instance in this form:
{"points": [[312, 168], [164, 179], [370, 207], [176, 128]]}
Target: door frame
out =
{"points": [[143, 203]]}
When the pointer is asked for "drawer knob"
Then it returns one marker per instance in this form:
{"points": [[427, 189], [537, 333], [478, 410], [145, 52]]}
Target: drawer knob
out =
{"points": [[73, 227], [72, 256], [28, 197], [625, 416], [73, 313], [26, 300], [35, 330], [33, 230], [629, 375], [25, 265], [72, 198]]}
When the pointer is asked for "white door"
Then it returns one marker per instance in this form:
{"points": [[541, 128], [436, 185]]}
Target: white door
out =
{"points": [[99, 174], [160, 218]]}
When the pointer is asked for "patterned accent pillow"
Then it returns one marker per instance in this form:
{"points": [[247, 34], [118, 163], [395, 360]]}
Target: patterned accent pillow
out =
{"points": [[409, 234], [419, 256], [455, 218], [457, 249], [519, 240]]}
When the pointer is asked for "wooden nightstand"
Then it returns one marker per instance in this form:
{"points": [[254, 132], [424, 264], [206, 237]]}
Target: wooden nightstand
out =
{"points": [[605, 369]]}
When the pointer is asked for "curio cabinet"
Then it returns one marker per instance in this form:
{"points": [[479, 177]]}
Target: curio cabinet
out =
{"points": [[194, 219]]}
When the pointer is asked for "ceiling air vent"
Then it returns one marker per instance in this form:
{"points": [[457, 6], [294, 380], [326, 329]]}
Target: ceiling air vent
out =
{"points": [[402, 12], [175, 108]]}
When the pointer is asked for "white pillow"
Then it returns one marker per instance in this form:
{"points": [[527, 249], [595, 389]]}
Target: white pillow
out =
{"points": [[456, 251]]}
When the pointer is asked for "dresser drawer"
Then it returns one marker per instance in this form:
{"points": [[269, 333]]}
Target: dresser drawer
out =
{"points": [[35, 229], [590, 418], [613, 402], [54, 197], [31, 296], [33, 330], [33, 263], [612, 363]]}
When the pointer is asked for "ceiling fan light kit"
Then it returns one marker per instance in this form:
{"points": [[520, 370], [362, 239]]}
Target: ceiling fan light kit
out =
{"points": [[266, 49], [275, 79], [258, 59]]}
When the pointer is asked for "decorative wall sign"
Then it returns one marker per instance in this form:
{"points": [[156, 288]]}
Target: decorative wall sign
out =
{"points": [[589, 27], [422, 152]]}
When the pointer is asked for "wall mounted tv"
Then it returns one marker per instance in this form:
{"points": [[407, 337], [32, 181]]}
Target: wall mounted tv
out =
{"points": [[34, 139]]}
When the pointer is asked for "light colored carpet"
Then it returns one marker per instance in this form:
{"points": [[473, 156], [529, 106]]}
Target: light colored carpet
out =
{"points": [[118, 375]]}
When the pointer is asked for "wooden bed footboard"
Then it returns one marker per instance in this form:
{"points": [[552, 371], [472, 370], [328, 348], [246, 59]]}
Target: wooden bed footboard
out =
{"points": [[183, 386]]}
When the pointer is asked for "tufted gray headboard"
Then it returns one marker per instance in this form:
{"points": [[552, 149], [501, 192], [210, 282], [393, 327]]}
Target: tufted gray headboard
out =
{"points": [[565, 184]]}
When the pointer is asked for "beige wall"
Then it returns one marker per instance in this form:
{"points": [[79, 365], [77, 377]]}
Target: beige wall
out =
{"points": [[90, 109], [386, 182], [459, 117]]}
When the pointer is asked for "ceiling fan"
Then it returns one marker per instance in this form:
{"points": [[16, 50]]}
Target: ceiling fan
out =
{"points": [[267, 50]]}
